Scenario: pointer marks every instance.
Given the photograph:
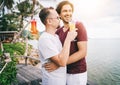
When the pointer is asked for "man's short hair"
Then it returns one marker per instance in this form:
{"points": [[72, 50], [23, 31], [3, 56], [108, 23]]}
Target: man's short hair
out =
{"points": [[44, 14], [61, 4]]}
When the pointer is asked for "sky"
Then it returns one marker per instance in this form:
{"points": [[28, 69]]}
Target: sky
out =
{"points": [[101, 18]]}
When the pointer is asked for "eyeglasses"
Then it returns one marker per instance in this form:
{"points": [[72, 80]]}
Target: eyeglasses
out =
{"points": [[55, 18]]}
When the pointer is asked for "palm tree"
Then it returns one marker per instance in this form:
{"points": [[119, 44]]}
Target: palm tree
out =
{"points": [[6, 3]]}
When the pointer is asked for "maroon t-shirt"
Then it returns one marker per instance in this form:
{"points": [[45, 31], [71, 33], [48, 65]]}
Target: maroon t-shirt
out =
{"points": [[79, 66]]}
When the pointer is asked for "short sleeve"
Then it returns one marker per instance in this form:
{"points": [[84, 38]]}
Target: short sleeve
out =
{"points": [[82, 33]]}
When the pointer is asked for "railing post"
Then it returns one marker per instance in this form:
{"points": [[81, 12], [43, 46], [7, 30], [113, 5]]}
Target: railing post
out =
{"points": [[26, 60]]}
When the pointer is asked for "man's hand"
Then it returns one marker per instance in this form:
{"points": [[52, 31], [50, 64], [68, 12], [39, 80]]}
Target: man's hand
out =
{"points": [[50, 66]]}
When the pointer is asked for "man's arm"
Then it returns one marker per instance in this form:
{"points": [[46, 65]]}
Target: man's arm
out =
{"points": [[81, 53], [62, 58]]}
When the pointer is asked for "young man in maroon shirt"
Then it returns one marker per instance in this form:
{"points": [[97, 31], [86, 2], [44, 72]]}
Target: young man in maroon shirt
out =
{"points": [[76, 65]]}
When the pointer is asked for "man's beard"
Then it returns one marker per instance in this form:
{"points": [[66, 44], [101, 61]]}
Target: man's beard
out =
{"points": [[65, 22]]}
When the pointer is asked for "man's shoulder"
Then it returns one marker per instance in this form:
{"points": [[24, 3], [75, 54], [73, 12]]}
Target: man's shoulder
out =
{"points": [[78, 23]]}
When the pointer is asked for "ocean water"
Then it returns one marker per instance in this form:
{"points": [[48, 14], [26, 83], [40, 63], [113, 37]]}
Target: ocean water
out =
{"points": [[103, 61]]}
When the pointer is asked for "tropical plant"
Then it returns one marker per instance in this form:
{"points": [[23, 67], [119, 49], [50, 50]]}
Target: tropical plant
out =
{"points": [[9, 22], [26, 9], [8, 75], [6, 3], [13, 21]]}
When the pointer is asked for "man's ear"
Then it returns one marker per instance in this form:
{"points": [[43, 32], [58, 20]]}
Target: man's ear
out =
{"points": [[49, 21]]}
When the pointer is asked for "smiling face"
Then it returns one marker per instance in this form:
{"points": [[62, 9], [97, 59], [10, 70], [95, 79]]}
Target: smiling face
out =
{"points": [[66, 13]]}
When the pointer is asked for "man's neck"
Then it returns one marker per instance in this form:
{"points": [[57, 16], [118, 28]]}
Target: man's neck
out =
{"points": [[66, 27], [50, 30]]}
